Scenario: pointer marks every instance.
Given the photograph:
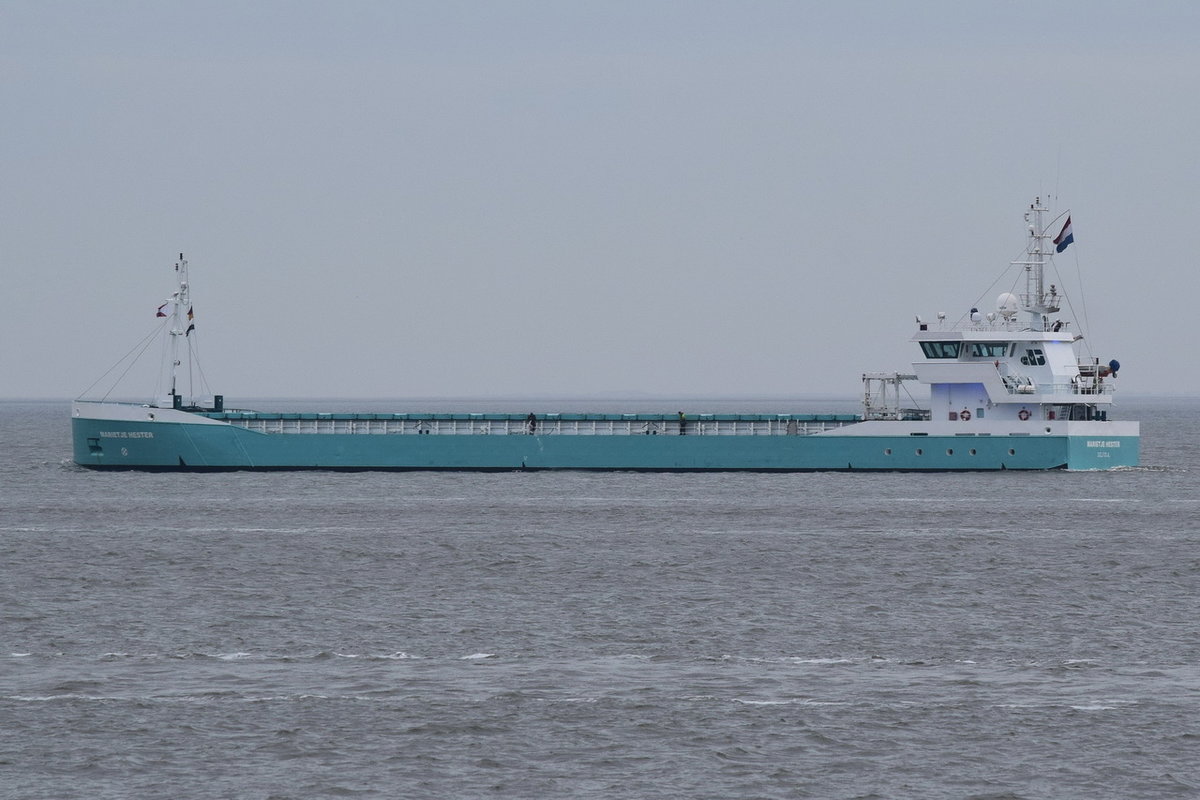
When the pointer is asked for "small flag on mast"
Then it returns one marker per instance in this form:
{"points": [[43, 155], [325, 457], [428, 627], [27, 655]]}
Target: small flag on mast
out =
{"points": [[189, 313], [162, 310], [1065, 237]]}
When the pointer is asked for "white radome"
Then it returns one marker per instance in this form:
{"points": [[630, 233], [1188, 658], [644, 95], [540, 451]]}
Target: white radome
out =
{"points": [[1007, 305]]}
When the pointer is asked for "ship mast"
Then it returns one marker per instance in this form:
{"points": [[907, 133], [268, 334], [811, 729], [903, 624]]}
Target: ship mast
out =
{"points": [[181, 304], [1038, 302]]}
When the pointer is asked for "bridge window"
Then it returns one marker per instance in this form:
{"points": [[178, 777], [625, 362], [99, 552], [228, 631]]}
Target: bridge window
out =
{"points": [[989, 349], [940, 349]]}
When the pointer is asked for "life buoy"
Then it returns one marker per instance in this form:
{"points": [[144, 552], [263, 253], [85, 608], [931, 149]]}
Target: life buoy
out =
{"points": [[1023, 414], [964, 415]]}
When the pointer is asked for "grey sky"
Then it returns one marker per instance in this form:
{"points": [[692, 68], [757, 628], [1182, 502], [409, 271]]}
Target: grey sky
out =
{"points": [[559, 198]]}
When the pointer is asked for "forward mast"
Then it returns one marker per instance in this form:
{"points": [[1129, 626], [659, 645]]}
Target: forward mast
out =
{"points": [[180, 316]]}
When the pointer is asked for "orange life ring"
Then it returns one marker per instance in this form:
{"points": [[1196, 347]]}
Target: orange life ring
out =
{"points": [[964, 415], [1023, 414]]}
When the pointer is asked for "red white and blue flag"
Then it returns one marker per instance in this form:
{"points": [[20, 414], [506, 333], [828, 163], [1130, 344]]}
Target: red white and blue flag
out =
{"points": [[1065, 237]]}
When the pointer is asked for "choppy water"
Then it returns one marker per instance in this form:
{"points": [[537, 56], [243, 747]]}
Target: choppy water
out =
{"points": [[1011, 635]]}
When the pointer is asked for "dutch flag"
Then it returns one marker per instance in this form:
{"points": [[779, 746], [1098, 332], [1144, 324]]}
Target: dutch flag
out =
{"points": [[1065, 237]]}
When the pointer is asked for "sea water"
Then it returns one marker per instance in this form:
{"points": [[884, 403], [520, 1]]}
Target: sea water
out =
{"points": [[599, 635]]}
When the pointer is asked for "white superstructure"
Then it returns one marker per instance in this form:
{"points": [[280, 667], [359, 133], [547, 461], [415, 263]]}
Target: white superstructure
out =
{"points": [[1018, 363]]}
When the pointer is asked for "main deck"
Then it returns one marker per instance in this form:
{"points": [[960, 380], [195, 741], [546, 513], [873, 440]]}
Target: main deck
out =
{"points": [[554, 424]]}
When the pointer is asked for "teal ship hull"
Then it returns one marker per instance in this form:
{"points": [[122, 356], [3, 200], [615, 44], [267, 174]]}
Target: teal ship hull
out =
{"points": [[1004, 393], [143, 438]]}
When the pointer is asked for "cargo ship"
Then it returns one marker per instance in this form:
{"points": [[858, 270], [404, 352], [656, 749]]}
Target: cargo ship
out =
{"points": [[1006, 389]]}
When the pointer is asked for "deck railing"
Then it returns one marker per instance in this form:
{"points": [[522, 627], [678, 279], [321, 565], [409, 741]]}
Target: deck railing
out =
{"points": [[1022, 385], [542, 425]]}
